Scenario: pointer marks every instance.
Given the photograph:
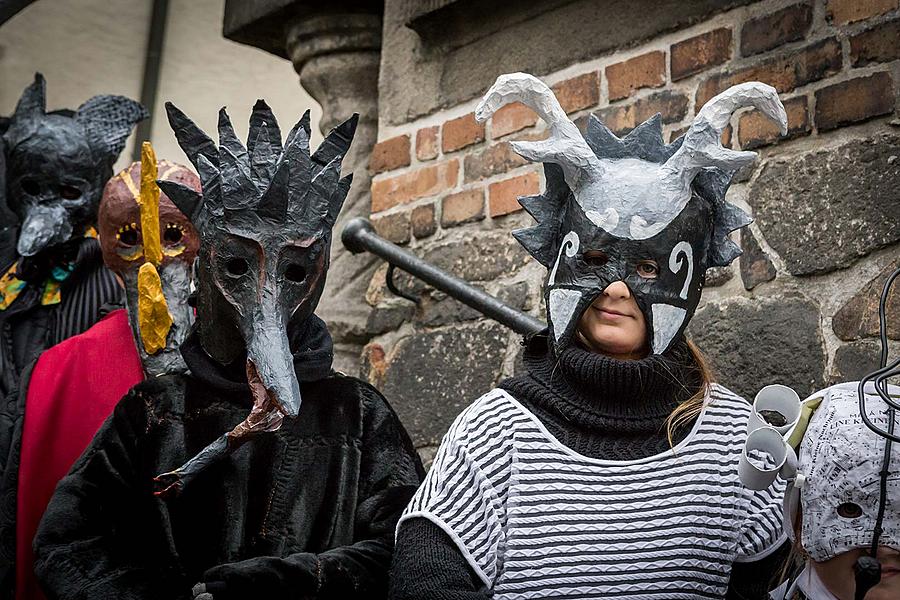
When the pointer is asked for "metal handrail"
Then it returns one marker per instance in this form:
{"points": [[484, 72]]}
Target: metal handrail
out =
{"points": [[359, 236]]}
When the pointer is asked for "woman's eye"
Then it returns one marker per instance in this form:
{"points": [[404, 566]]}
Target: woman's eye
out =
{"points": [[648, 269], [850, 510], [595, 258], [237, 266]]}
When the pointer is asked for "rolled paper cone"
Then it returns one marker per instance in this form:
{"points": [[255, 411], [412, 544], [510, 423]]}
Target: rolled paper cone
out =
{"points": [[768, 441], [149, 202], [778, 398], [154, 320]]}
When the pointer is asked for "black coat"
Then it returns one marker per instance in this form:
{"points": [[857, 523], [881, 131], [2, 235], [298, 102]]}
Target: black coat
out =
{"points": [[307, 511]]}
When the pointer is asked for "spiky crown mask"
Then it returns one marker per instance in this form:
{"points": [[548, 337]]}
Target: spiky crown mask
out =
{"points": [[631, 200], [265, 219], [58, 164]]}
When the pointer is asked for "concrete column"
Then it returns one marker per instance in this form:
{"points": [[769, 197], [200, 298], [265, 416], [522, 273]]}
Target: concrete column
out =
{"points": [[337, 57]]}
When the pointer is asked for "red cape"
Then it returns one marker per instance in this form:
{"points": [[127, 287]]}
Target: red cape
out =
{"points": [[74, 386]]}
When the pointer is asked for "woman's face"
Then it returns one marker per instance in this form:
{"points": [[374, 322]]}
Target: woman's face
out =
{"points": [[838, 576], [613, 324]]}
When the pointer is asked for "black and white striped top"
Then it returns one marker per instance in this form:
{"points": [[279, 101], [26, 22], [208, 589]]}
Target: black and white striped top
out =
{"points": [[535, 519]]}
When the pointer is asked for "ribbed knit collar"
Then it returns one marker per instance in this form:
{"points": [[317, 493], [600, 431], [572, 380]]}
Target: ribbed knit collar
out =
{"points": [[596, 392]]}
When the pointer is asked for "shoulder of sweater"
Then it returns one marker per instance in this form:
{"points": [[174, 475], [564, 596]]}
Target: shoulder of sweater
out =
{"points": [[719, 394]]}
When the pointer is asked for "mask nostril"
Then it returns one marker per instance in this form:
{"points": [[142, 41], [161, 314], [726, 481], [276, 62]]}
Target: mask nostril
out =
{"points": [[237, 267], [31, 187], [295, 273]]}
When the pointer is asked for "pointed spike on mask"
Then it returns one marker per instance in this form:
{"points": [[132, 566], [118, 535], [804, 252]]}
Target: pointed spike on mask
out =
{"points": [[149, 203], [34, 98], [263, 157], [321, 191], [337, 142], [336, 202], [108, 121], [228, 139], [191, 138], [565, 146], [263, 115], [184, 198]]}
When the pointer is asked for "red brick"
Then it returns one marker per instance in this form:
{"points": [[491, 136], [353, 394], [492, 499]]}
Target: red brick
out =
{"points": [[770, 31], [725, 137], [755, 129], [503, 195], [426, 143], [427, 181], [854, 100], [462, 207], [393, 227], [700, 53], [842, 12], [422, 220], [646, 70], [390, 154], [672, 105], [879, 44], [511, 118], [579, 92], [784, 72], [461, 132], [495, 159]]}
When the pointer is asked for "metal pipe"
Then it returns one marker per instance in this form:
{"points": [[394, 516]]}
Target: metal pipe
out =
{"points": [[359, 236], [152, 66]]}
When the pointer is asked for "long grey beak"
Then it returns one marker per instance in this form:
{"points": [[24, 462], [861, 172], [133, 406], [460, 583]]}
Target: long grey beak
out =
{"points": [[270, 354], [44, 226]]}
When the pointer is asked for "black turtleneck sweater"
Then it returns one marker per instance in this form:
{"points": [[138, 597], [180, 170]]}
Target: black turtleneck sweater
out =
{"points": [[599, 407]]}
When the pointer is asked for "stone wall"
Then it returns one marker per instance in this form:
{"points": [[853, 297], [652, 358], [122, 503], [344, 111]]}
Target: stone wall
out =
{"points": [[799, 307]]}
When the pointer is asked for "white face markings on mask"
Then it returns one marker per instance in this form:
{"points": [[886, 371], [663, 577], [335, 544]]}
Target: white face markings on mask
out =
{"points": [[676, 263], [561, 303], [570, 245], [667, 320]]}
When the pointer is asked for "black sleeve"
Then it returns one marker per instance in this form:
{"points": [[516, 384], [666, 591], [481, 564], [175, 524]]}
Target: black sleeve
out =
{"points": [[428, 566], [390, 473], [100, 536], [754, 580]]}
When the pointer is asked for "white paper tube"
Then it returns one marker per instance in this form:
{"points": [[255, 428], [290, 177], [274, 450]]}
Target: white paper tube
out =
{"points": [[767, 440], [779, 398]]}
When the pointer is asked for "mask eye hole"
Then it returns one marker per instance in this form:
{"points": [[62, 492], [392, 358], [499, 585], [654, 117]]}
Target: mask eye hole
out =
{"points": [[648, 269], [850, 510], [595, 258], [31, 187], [69, 192], [237, 267], [295, 273], [128, 235], [172, 234]]}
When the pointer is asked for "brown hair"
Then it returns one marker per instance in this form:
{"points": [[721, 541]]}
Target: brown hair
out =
{"points": [[688, 410]]}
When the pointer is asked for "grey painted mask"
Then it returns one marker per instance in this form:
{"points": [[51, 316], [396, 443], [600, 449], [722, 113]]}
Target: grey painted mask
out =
{"points": [[58, 164], [632, 199]]}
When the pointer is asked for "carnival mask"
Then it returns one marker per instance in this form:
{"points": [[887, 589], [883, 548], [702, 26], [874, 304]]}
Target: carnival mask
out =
{"points": [[57, 164], [151, 245], [265, 220], [611, 204], [840, 464]]}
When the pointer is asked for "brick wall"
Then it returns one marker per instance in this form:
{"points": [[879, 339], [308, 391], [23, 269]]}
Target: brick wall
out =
{"points": [[825, 200]]}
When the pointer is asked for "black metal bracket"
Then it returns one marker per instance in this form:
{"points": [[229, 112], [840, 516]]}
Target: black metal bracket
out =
{"points": [[392, 285], [359, 236]]}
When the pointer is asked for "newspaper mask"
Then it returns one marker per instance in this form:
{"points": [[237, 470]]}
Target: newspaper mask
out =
{"points": [[151, 245], [58, 164], [265, 219], [840, 462], [634, 199]]}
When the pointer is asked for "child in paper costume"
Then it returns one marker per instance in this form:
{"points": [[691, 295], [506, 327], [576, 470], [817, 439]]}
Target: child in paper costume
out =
{"points": [[833, 505], [304, 498], [608, 470], [54, 285], [76, 384]]}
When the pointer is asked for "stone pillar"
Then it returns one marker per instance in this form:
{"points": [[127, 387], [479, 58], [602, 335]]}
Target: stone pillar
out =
{"points": [[337, 57]]}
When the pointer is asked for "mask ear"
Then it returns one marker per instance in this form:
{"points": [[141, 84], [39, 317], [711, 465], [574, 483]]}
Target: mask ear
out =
{"points": [[34, 99], [108, 121]]}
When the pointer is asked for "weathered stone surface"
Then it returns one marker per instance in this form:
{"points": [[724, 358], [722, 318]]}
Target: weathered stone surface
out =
{"points": [[752, 343], [858, 318], [479, 257], [756, 268], [854, 361], [439, 309], [422, 220], [389, 317], [821, 211], [718, 276], [430, 377]]}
